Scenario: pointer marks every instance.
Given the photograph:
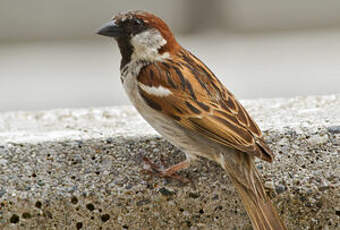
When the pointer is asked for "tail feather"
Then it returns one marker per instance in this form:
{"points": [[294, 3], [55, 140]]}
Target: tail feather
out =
{"points": [[258, 205], [261, 212]]}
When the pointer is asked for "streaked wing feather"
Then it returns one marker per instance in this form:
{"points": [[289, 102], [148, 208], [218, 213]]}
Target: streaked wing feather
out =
{"points": [[200, 102]]}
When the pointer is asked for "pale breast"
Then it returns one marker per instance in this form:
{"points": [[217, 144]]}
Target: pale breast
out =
{"points": [[157, 120], [167, 127]]}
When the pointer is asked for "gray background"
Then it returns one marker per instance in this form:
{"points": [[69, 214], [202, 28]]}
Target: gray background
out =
{"points": [[50, 56]]}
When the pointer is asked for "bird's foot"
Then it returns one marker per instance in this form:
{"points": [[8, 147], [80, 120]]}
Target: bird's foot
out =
{"points": [[161, 171]]}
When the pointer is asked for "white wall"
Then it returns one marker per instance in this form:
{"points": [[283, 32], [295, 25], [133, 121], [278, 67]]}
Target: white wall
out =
{"points": [[250, 15], [78, 19], [73, 19]]}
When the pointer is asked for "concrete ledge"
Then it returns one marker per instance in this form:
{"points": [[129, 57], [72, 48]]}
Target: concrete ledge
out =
{"points": [[80, 169]]}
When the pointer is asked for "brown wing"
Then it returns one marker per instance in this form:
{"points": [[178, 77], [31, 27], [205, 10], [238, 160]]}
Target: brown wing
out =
{"points": [[199, 102]]}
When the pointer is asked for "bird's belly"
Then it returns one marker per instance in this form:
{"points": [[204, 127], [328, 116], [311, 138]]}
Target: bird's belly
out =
{"points": [[164, 125], [158, 121]]}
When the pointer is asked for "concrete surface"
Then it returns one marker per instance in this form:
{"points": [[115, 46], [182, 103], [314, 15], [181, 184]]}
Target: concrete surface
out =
{"points": [[63, 74], [81, 169]]}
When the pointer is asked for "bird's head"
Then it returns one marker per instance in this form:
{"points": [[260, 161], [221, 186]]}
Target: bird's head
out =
{"points": [[141, 36]]}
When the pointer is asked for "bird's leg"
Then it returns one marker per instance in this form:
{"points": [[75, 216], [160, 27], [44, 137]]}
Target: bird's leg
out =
{"points": [[177, 167], [170, 172]]}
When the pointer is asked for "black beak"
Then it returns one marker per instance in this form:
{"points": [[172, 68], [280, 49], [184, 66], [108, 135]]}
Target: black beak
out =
{"points": [[110, 29]]}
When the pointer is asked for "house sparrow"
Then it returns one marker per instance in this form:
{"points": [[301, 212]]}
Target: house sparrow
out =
{"points": [[185, 102]]}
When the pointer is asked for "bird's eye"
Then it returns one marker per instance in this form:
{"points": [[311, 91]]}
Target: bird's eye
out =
{"points": [[137, 22]]}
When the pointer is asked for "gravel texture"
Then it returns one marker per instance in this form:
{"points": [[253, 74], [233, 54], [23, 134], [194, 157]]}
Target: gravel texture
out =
{"points": [[82, 169]]}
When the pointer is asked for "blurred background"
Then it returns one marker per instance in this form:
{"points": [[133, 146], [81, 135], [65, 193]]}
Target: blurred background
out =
{"points": [[50, 56]]}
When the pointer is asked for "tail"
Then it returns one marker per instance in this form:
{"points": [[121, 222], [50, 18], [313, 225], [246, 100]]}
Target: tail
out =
{"points": [[248, 183]]}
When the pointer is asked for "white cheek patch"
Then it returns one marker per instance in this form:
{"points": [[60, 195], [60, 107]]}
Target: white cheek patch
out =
{"points": [[146, 46], [159, 91]]}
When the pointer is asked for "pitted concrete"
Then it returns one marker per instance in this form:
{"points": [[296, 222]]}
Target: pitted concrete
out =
{"points": [[81, 169]]}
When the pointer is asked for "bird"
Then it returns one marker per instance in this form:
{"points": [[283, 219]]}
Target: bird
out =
{"points": [[183, 100]]}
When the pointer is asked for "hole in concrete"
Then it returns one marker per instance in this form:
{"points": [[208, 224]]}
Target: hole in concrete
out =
{"points": [[201, 211], [79, 225], [105, 217], [337, 212], [74, 200], [48, 214], [14, 219], [90, 207], [215, 197], [194, 195], [125, 226], [38, 204], [26, 215], [181, 210], [109, 140], [34, 175]]}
